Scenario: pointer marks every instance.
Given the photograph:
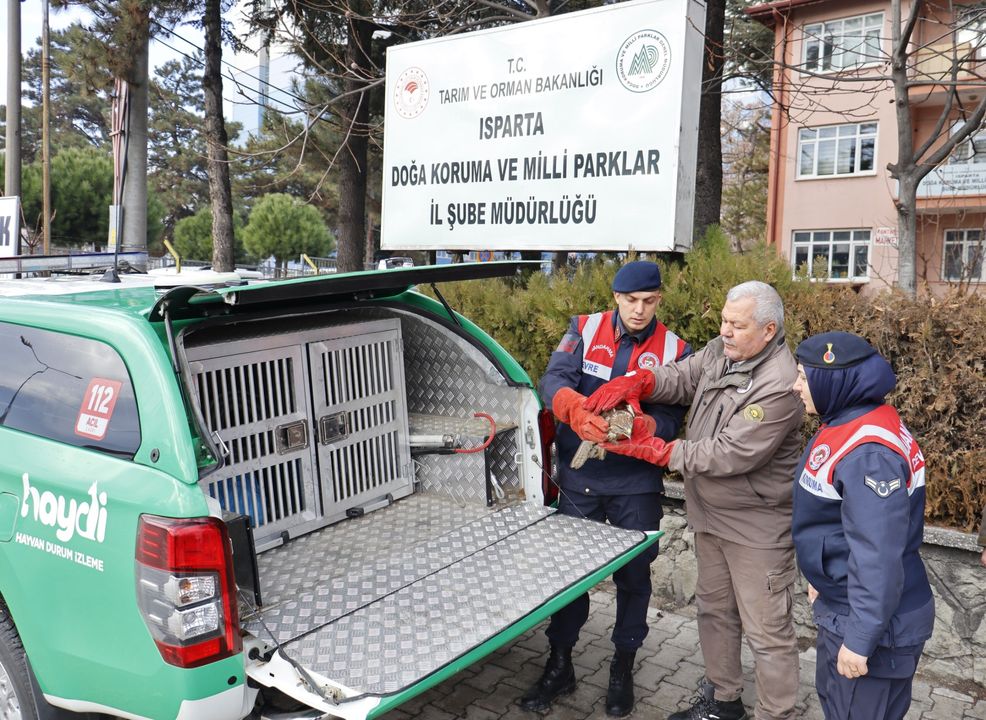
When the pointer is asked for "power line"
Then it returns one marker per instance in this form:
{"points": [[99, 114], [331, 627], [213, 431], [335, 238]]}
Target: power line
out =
{"points": [[201, 63]]}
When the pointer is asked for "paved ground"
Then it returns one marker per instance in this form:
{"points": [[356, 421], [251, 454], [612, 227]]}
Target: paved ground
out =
{"points": [[669, 667]]}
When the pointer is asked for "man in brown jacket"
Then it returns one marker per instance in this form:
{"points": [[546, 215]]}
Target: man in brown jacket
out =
{"points": [[737, 458]]}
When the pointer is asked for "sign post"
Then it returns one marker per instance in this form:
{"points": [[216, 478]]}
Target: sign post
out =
{"points": [[10, 226], [575, 132]]}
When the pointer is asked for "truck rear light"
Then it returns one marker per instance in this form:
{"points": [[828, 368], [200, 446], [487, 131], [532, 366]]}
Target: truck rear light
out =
{"points": [[186, 591], [546, 425]]}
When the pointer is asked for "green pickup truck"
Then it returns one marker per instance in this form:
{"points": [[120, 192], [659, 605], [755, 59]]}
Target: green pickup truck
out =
{"points": [[314, 497]]}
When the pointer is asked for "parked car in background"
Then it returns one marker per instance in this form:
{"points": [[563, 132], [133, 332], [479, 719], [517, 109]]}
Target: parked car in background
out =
{"points": [[394, 262]]}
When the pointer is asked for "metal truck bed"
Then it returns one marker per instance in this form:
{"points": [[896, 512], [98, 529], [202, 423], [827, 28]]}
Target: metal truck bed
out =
{"points": [[377, 604]]}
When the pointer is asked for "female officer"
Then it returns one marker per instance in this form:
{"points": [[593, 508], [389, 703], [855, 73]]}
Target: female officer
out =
{"points": [[858, 523]]}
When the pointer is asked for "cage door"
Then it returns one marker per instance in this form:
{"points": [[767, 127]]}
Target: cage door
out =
{"points": [[257, 402], [360, 417]]}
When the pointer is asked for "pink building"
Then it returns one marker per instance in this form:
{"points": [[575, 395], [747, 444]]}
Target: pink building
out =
{"points": [[831, 200]]}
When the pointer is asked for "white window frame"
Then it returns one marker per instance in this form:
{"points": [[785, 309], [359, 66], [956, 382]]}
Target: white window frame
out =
{"points": [[836, 45], [852, 136], [971, 28], [972, 249], [971, 151], [856, 238]]}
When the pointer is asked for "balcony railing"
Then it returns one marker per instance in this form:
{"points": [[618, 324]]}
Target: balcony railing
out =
{"points": [[935, 62]]}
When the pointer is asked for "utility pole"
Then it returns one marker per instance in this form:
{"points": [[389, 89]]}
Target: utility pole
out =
{"points": [[45, 137], [12, 172]]}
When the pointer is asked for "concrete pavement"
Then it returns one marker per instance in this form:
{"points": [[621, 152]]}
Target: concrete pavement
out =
{"points": [[668, 670]]}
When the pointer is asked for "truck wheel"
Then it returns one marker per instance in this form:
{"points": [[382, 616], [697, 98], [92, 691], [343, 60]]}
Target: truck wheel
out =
{"points": [[16, 699]]}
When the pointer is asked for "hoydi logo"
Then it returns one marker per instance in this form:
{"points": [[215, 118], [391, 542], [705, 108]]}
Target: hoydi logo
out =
{"points": [[88, 519]]}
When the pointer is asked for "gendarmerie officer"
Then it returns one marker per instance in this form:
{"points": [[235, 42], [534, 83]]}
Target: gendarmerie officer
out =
{"points": [[624, 491], [858, 524]]}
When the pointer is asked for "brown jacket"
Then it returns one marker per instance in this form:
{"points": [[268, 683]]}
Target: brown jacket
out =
{"points": [[982, 530], [741, 444]]}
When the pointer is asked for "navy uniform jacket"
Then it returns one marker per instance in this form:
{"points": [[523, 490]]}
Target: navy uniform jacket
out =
{"points": [[617, 474], [857, 539]]}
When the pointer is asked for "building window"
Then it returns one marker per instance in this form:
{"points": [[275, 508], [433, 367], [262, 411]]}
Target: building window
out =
{"points": [[971, 151], [970, 31], [833, 254], [836, 150], [963, 256], [846, 43]]}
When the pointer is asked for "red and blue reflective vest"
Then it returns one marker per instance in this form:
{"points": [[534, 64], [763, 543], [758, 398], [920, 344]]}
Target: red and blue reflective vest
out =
{"points": [[592, 352], [858, 522]]}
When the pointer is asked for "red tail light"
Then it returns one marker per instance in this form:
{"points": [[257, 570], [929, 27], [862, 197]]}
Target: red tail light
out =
{"points": [[186, 590], [546, 425]]}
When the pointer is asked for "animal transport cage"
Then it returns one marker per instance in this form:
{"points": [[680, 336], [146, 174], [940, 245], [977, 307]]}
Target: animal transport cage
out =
{"points": [[315, 424]]}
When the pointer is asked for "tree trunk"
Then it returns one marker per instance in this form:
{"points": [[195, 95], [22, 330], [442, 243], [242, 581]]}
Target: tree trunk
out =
{"points": [[134, 235], [904, 170], [708, 174], [220, 196], [559, 261], [907, 235], [354, 114], [372, 248]]}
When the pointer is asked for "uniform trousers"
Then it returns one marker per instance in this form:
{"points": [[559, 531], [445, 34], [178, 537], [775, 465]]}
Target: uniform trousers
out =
{"points": [[748, 590], [884, 693], [633, 583]]}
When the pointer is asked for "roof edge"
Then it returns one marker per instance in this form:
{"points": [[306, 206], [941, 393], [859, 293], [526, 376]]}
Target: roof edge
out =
{"points": [[767, 12]]}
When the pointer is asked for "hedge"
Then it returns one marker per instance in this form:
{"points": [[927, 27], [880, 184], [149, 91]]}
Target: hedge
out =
{"points": [[937, 346]]}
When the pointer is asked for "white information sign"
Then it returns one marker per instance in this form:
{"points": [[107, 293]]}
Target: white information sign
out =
{"points": [[575, 132], [10, 225]]}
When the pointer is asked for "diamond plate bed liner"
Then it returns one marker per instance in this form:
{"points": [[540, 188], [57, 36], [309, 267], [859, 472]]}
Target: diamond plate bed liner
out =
{"points": [[376, 609]]}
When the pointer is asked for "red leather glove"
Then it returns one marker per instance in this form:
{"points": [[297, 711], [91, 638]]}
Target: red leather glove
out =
{"points": [[653, 449], [567, 407], [630, 387], [644, 426]]}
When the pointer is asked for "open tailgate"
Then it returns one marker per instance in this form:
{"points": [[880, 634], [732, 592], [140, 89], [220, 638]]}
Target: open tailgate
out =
{"points": [[362, 616]]}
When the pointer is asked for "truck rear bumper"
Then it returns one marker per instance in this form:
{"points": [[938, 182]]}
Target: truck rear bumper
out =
{"points": [[232, 704]]}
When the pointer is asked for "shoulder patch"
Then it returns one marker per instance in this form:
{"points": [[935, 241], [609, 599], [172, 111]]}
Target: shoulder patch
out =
{"points": [[569, 343], [753, 413], [883, 488]]}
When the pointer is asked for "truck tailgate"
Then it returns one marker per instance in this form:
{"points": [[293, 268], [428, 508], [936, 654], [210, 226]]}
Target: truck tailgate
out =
{"points": [[363, 615]]}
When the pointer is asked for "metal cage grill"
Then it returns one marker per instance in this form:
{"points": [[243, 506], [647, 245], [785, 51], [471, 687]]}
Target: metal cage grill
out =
{"points": [[315, 423], [362, 411]]}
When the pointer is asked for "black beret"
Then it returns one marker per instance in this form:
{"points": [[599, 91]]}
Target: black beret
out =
{"points": [[833, 350], [636, 276]]}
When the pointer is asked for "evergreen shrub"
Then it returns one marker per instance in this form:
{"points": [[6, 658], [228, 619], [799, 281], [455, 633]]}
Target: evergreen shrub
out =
{"points": [[937, 346]]}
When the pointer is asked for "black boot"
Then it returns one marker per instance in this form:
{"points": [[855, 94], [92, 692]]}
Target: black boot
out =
{"points": [[558, 679], [619, 697]]}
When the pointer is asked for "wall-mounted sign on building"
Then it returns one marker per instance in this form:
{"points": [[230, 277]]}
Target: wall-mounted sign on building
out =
{"points": [[575, 132], [885, 236], [958, 179]]}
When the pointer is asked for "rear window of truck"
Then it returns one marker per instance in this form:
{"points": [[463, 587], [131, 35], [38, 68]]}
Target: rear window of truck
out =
{"points": [[67, 388]]}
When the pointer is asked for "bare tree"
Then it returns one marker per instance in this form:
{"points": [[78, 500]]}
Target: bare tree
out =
{"points": [[342, 45]]}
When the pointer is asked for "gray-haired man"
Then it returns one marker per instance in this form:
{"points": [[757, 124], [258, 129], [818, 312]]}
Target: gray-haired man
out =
{"points": [[737, 458]]}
